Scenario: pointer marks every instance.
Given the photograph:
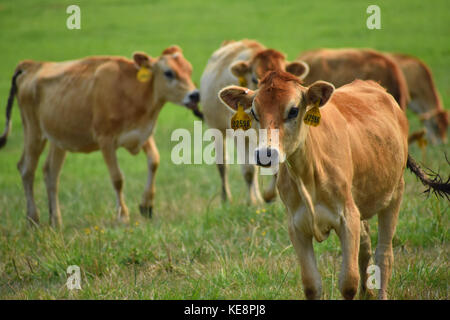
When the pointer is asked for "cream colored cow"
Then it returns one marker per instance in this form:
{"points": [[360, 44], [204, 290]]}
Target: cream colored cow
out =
{"points": [[238, 62], [96, 103], [337, 175]]}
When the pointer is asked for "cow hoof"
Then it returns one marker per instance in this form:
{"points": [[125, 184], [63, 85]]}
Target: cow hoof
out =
{"points": [[146, 211]]}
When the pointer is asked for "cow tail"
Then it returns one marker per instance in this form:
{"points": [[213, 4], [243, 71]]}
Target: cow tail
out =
{"points": [[9, 105]]}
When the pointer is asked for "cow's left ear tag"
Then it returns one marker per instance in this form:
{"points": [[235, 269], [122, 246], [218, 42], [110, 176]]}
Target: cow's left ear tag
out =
{"points": [[241, 120], [144, 74], [312, 117]]}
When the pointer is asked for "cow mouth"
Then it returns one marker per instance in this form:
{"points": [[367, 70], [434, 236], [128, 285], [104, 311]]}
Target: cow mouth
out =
{"points": [[194, 107]]}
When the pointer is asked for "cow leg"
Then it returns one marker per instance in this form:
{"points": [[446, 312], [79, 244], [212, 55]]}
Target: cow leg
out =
{"points": [[146, 206], [52, 169], [384, 255], [109, 154], [33, 146], [221, 160], [365, 252], [271, 192], [349, 235], [250, 173], [312, 284]]}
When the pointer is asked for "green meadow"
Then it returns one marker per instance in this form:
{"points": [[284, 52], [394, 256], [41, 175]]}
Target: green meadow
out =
{"points": [[195, 247]]}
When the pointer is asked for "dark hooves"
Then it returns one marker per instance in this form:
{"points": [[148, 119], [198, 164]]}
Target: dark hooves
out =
{"points": [[146, 211]]}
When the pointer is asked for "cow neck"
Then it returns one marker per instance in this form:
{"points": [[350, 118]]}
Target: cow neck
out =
{"points": [[301, 168], [156, 103]]}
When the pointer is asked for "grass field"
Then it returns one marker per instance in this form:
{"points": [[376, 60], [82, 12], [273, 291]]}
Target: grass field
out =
{"points": [[195, 247]]}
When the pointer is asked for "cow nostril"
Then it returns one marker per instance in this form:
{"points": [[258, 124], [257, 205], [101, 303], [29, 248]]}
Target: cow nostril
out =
{"points": [[195, 96], [269, 153], [266, 157]]}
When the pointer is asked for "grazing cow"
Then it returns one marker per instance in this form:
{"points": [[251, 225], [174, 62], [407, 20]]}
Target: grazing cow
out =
{"points": [[425, 99], [96, 103], [336, 175], [238, 62]]}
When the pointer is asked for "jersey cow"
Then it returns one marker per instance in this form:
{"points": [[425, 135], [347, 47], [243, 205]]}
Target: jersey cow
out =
{"points": [[238, 62], [408, 79], [425, 98], [336, 175], [96, 103]]}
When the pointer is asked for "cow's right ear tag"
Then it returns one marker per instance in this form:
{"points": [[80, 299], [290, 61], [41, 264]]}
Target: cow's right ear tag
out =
{"points": [[144, 74], [241, 120], [312, 117], [242, 81]]}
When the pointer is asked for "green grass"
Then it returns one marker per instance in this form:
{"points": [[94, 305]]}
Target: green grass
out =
{"points": [[195, 248]]}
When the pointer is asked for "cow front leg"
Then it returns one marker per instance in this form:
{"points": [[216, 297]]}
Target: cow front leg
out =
{"points": [[146, 206], [109, 155], [349, 235], [52, 169], [312, 284]]}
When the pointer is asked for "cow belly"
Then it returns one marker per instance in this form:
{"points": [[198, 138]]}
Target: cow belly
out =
{"points": [[325, 219]]}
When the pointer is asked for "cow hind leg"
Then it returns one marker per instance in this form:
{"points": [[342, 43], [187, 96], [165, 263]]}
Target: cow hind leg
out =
{"points": [[365, 252], [349, 235], [146, 206], [312, 284], [33, 146], [110, 157], [52, 169], [384, 255]]}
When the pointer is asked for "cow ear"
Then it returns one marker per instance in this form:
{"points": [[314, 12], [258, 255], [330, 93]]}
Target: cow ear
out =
{"points": [[319, 91], [172, 50], [298, 68], [141, 59], [240, 68], [232, 96]]}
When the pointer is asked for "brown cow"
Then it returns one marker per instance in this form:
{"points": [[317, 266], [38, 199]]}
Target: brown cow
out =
{"points": [[239, 62], [342, 66], [425, 98], [96, 103], [336, 175]]}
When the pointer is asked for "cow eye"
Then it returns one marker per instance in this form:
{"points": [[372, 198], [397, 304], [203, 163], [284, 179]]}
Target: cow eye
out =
{"points": [[254, 80], [293, 113], [254, 115], [169, 74]]}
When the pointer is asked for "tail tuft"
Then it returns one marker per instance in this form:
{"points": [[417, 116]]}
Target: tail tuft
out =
{"points": [[432, 180]]}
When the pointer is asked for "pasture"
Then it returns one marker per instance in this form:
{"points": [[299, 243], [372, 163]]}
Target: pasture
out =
{"points": [[194, 247]]}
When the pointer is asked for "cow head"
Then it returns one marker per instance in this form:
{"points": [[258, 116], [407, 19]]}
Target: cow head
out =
{"points": [[280, 103], [266, 60], [171, 74]]}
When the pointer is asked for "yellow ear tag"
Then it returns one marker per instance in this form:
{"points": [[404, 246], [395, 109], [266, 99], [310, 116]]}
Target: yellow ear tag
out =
{"points": [[312, 117], [241, 120], [242, 81], [144, 74]]}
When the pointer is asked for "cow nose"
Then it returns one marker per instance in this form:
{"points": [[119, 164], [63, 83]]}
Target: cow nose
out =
{"points": [[194, 96], [266, 157]]}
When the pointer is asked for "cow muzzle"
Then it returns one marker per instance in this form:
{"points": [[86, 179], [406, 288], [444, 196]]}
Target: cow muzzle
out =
{"points": [[267, 157]]}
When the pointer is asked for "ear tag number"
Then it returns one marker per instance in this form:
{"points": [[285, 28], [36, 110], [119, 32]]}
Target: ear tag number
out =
{"points": [[241, 120], [242, 81], [312, 117], [144, 74]]}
